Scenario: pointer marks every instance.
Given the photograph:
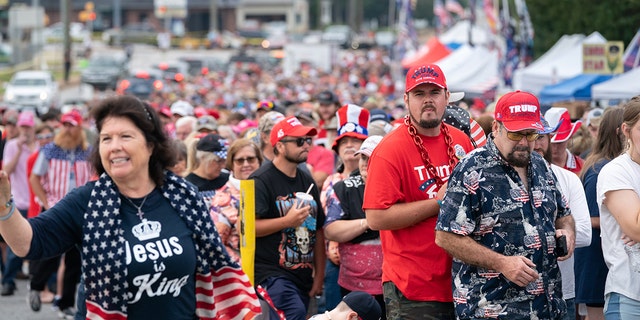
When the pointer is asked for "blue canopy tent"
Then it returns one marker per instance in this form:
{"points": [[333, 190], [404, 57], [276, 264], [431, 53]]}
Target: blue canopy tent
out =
{"points": [[576, 88]]}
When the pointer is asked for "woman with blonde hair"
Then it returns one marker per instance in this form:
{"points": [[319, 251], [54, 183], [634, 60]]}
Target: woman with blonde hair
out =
{"points": [[243, 158]]}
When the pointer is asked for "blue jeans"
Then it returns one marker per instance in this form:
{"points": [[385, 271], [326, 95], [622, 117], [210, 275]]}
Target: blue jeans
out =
{"points": [[81, 306], [332, 293], [620, 307], [13, 263], [287, 297], [571, 310]]}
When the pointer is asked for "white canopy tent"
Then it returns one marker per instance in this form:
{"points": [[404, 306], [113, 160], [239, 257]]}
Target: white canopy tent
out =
{"points": [[473, 70], [459, 34], [561, 62], [624, 87]]}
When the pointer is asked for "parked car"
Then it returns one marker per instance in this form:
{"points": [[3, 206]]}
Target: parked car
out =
{"points": [[173, 70], [339, 34], [203, 65], [141, 84], [104, 71], [131, 33], [54, 32], [252, 38], [31, 90]]}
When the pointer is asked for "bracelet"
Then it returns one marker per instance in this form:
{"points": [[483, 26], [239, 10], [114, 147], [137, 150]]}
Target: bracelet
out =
{"points": [[439, 202], [13, 208]]}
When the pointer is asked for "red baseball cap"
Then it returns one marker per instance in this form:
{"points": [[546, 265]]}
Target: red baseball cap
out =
{"points": [[290, 127], [72, 117], [518, 111], [428, 73]]}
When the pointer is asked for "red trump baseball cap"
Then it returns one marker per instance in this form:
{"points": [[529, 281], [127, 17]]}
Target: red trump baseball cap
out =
{"points": [[428, 73], [518, 111]]}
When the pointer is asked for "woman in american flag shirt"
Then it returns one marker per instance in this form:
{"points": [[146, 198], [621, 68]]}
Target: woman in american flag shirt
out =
{"points": [[149, 248]]}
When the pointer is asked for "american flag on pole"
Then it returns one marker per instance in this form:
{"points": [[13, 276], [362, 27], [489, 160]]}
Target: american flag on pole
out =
{"points": [[407, 35], [441, 13], [631, 56], [491, 15], [454, 7], [526, 33], [511, 57]]}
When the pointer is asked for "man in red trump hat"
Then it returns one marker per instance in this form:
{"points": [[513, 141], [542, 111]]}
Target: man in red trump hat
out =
{"points": [[290, 256], [500, 219], [406, 173], [560, 154]]}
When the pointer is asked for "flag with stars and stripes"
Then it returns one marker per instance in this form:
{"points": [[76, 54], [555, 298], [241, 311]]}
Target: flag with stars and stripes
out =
{"points": [[223, 291]]}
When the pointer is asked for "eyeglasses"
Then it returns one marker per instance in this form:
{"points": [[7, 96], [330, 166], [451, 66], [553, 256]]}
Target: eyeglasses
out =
{"points": [[249, 160], [515, 136], [44, 136], [299, 141]]}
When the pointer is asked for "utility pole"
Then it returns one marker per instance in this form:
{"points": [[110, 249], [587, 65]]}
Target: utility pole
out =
{"points": [[117, 19], [392, 14], [65, 6], [213, 15]]}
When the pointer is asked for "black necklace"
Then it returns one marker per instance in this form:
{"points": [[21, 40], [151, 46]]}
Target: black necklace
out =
{"points": [[140, 213]]}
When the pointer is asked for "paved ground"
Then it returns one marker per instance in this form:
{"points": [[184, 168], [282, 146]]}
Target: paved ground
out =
{"points": [[15, 307]]}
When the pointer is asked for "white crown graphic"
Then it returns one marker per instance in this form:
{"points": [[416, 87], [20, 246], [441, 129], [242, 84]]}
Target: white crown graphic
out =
{"points": [[147, 230]]}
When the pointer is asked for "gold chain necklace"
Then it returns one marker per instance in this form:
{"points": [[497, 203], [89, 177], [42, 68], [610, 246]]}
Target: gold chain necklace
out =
{"points": [[417, 140]]}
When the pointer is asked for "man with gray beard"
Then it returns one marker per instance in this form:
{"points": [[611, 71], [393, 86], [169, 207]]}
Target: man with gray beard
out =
{"points": [[505, 221], [401, 199]]}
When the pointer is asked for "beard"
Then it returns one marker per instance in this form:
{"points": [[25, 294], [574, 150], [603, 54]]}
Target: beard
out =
{"points": [[426, 124], [518, 160], [299, 158], [546, 154], [68, 140]]}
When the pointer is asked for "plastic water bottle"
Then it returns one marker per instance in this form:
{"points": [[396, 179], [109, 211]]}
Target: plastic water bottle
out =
{"points": [[634, 256]]}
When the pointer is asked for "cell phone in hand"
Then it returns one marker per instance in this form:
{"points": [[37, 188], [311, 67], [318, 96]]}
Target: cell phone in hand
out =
{"points": [[561, 246]]}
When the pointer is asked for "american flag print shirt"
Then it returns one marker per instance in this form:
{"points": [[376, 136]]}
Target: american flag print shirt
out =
{"points": [[487, 201]]}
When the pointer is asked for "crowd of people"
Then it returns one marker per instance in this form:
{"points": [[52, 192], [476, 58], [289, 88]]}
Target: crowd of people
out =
{"points": [[428, 207]]}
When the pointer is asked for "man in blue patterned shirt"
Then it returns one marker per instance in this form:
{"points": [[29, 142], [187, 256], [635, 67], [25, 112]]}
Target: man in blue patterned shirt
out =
{"points": [[499, 220]]}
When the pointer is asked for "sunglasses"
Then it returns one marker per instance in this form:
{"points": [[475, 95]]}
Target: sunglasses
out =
{"points": [[44, 136], [265, 105], [515, 136], [249, 160], [299, 141]]}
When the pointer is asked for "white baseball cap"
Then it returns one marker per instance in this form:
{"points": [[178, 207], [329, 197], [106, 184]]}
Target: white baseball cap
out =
{"points": [[368, 145]]}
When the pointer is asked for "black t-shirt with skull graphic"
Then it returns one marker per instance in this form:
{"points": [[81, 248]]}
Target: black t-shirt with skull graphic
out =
{"points": [[287, 253]]}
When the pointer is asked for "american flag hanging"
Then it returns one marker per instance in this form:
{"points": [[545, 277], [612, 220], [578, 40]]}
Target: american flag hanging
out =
{"points": [[454, 7], [631, 56], [439, 11]]}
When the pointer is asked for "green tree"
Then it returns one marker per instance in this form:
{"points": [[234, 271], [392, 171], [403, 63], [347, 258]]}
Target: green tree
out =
{"points": [[615, 20]]}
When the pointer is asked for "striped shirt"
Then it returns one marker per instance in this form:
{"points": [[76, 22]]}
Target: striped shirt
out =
{"points": [[61, 170]]}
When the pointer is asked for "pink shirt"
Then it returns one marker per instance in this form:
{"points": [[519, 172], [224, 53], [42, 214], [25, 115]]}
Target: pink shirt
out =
{"points": [[19, 178]]}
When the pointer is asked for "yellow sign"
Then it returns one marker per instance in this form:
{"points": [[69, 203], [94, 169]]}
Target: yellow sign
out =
{"points": [[247, 218], [603, 58]]}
